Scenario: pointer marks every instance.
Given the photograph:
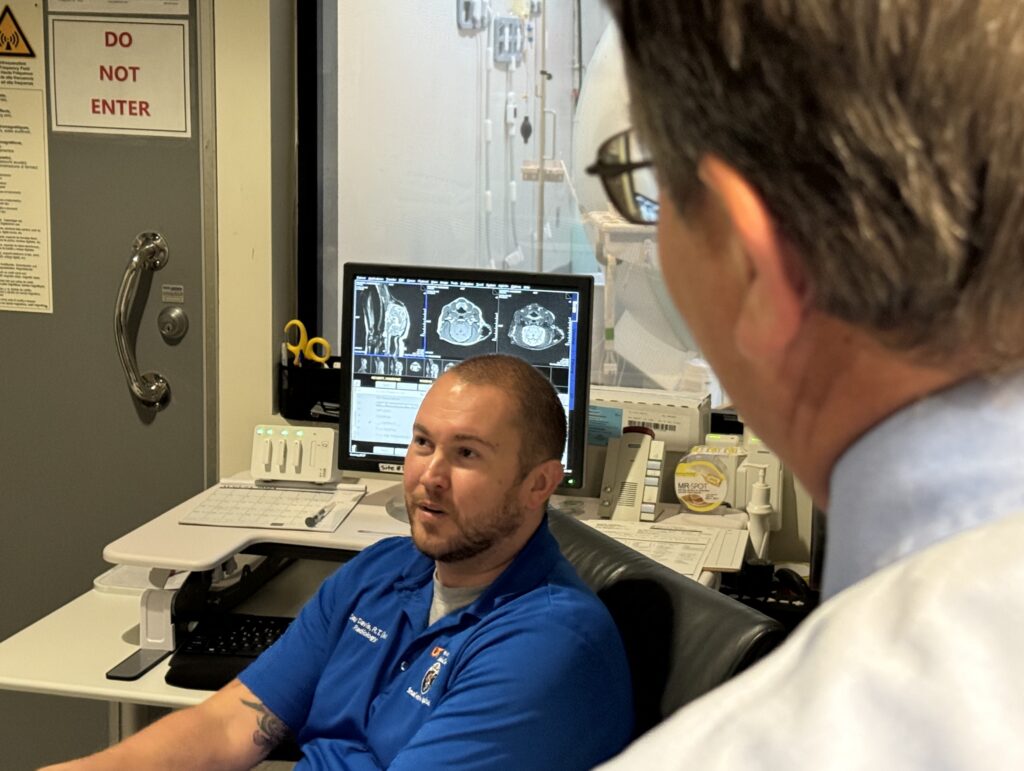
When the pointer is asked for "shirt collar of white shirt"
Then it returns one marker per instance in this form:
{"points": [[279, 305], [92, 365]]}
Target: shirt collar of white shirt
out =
{"points": [[945, 464]]}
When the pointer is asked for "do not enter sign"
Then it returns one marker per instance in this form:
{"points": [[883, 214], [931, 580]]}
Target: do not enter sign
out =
{"points": [[119, 76]]}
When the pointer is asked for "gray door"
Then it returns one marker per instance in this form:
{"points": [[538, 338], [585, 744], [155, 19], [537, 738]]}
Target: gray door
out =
{"points": [[82, 462]]}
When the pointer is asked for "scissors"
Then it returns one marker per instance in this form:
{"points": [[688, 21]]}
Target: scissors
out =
{"points": [[305, 345]]}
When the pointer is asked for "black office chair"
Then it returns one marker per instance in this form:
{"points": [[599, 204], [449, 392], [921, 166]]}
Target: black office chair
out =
{"points": [[682, 639]]}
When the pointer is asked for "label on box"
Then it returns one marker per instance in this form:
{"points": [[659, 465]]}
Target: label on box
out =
{"points": [[679, 420], [603, 423], [659, 422], [670, 425]]}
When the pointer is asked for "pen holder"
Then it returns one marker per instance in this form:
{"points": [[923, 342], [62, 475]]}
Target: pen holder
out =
{"points": [[309, 392]]}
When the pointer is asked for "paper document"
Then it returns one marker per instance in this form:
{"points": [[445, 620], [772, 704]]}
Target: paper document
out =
{"points": [[275, 506], [728, 546], [688, 550]]}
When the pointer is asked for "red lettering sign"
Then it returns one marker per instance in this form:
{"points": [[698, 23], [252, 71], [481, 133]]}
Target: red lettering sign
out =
{"points": [[119, 72], [136, 107], [123, 39]]}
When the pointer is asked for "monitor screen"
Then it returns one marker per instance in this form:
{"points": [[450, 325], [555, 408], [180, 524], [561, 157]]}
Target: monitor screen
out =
{"points": [[403, 326]]}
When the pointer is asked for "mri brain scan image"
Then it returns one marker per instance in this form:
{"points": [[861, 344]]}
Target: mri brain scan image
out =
{"points": [[533, 327], [385, 321], [461, 322]]}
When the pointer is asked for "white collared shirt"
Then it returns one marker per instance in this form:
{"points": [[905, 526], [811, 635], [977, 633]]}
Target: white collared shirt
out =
{"points": [[916, 660]]}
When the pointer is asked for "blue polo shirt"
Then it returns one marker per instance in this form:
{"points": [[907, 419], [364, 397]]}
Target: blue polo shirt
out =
{"points": [[531, 675]]}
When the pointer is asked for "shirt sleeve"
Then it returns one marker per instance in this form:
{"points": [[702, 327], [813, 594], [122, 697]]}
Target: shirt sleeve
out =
{"points": [[528, 696]]}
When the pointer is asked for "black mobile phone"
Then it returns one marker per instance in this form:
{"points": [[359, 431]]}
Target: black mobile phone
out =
{"points": [[137, 664]]}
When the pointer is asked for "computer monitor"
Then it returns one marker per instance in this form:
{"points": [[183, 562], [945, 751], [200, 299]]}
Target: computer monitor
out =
{"points": [[404, 326]]}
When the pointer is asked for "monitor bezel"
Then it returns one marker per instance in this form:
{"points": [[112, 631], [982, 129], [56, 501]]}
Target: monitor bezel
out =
{"points": [[581, 283]]}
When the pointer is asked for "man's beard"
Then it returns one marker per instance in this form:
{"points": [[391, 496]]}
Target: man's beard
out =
{"points": [[487, 530]]}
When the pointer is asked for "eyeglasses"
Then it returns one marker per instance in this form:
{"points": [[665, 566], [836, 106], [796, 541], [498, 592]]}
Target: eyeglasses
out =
{"points": [[628, 177]]}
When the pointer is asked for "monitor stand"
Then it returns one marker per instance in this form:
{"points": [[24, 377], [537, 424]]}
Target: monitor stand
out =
{"points": [[394, 502], [395, 507]]}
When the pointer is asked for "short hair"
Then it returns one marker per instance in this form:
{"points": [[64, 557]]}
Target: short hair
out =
{"points": [[885, 138], [537, 410]]}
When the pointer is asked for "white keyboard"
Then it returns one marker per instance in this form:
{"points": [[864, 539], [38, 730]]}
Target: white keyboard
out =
{"points": [[240, 504]]}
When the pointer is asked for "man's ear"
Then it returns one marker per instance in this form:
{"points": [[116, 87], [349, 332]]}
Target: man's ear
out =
{"points": [[771, 309], [541, 482]]}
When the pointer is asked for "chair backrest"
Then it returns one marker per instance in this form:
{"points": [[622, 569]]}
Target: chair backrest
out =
{"points": [[682, 639]]}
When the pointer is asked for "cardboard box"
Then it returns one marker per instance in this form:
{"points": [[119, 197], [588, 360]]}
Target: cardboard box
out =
{"points": [[680, 420]]}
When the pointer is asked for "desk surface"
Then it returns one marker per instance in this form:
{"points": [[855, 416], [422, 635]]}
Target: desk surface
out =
{"points": [[165, 543], [68, 652]]}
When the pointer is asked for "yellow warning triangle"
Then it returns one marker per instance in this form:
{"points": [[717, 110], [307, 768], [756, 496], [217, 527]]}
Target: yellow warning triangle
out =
{"points": [[12, 39]]}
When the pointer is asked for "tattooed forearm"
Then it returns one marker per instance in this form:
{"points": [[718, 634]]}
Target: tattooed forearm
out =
{"points": [[270, 730]]}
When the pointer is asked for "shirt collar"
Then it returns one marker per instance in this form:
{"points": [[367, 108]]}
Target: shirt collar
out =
{"points": [[528, 568], [939, 466]]}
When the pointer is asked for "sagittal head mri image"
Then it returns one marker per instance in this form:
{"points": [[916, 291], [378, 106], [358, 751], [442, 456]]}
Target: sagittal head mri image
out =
{"points": [[386, 321]]}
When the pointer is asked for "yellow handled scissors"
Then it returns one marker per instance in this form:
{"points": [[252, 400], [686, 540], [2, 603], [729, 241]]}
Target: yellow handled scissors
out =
{"points": [[305, 345]]}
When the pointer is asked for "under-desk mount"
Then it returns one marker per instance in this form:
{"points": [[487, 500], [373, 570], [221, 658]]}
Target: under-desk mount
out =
{"points": [[174, 600]]}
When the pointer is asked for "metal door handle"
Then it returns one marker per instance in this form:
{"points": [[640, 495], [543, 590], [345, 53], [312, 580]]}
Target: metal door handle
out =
{"points": [[149, 252]]}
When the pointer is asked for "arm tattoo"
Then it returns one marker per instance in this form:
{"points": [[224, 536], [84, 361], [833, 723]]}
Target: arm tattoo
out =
{"points": [[270, 730]]}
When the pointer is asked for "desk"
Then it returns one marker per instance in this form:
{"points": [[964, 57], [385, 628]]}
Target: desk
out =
{"points": [[68, 652], [164, 543]]}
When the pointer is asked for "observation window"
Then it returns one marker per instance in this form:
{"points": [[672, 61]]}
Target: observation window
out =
{"points": [[458, 134]]}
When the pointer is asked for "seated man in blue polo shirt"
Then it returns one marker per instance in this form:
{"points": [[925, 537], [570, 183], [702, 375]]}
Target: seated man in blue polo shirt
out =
{"points": [[471, 645]]}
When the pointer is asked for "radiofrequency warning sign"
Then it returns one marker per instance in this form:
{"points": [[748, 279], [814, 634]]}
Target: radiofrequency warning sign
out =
{"points": [[12, 39], [25, 260]]}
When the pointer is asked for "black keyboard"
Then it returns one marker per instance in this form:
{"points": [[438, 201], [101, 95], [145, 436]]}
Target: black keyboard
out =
{"points": [[235, 634], [220, 647]]}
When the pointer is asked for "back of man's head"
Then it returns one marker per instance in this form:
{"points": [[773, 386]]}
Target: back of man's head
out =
{"points": [[540, 417], [885, 138]]}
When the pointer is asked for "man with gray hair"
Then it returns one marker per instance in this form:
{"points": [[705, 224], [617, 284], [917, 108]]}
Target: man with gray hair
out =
{"points": [[841, 223]]}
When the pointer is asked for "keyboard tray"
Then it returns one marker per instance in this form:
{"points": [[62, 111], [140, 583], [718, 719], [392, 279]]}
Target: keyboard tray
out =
{"points": [[220, 647]]}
